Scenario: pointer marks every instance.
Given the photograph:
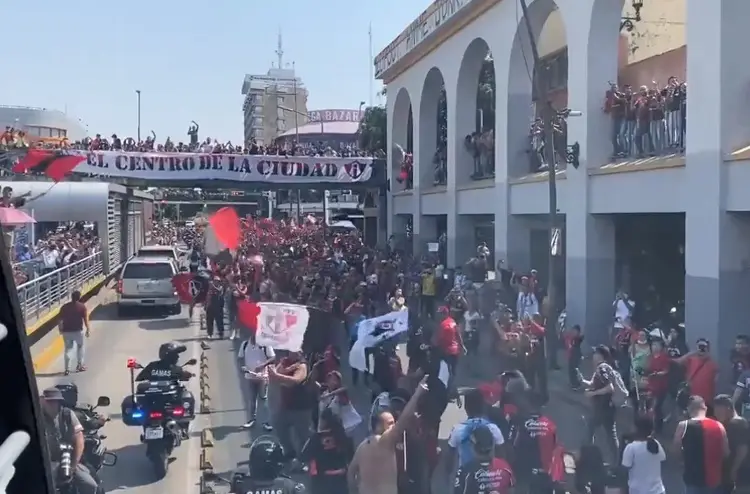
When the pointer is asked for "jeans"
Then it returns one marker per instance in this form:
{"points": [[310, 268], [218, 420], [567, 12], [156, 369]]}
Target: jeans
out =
{"points": [[291, 423], [674, 128], [619, 145], [84, 481], [215, 316], [643, 133], [257, 391], [689, 489], [574, 372], [604, 417], [71, 340]]}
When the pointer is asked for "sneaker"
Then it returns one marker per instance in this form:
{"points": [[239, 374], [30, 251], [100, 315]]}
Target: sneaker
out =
{"points": [[66, 373], [233, 336], [81, 368], [250, 424], [267, 427], [264, 396]]}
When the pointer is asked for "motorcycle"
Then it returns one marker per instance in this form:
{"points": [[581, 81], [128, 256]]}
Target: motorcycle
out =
{"points": [[95, 455], [164, 410]]}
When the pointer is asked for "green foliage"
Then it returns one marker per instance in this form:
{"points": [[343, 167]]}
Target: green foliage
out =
{"points": [[373, 130]]}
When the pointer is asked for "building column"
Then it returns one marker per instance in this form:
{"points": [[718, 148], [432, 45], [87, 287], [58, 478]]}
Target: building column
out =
{"points": [[590, 239], [716, 243]]}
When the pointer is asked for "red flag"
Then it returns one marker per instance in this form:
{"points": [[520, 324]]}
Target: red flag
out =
{"points": [[227, 228], [54, 164], [190, 289], [247, 314]]}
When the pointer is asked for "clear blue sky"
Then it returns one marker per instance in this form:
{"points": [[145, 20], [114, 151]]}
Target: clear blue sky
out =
{"points": [[187, 57]]}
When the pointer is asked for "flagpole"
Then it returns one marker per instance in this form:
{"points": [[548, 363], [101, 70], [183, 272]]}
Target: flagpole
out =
{"points": [[371, 61]]}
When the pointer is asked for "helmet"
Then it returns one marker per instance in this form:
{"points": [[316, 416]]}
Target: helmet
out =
{"points": [[170, 352], [266, 458], [70, 394]]}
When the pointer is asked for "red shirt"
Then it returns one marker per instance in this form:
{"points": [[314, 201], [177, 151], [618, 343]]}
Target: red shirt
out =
{"points": [[659, 362], [534, 329], [701, 376], [72, 316], [491, 391], [448, 336]]}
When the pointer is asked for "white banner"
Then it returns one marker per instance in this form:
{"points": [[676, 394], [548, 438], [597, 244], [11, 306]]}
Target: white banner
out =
{"points": [[236, 167], [372, 332], [282, 326]]}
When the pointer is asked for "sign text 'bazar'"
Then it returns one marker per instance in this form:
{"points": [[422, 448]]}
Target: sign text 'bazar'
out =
{"points": [[188, 166]]}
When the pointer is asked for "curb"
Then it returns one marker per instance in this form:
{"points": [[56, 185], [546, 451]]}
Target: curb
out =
{"points": [[206, 464]]}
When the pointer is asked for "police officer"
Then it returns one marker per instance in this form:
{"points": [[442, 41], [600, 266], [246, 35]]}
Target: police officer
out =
{"points": [[166, 368], [61, 426], [266, 460]]}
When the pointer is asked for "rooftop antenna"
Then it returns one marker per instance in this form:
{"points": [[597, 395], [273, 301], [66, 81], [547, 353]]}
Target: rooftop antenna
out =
{"points": [[280, 50]]}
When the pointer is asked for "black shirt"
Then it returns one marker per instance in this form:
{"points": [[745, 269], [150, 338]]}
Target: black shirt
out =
{"points": [[325, 454], [282, 485], [484, 477], [738, 433], [162, 371]]}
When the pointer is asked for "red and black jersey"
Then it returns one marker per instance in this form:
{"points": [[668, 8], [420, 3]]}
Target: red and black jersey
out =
{"points": [[534, 439], [703, 453]]}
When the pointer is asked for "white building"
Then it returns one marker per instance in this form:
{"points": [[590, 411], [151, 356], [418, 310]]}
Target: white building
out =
{"points": [[708, 184], [42, 122], [274, 102]]}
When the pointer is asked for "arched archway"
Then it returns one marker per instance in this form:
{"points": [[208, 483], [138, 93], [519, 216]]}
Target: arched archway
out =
{"points": [[525, 137], [402, 132], [475, 115], [433, 129]]}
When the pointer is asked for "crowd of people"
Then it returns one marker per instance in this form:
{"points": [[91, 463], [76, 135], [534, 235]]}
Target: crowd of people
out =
{"points": [[649, 121], [59, 247]]}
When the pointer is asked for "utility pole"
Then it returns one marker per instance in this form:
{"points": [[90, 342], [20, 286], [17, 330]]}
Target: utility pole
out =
{"points": [[548, 117]]}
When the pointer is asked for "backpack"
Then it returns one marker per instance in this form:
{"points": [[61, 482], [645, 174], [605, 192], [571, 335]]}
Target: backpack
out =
{"points": [[464, 448]]}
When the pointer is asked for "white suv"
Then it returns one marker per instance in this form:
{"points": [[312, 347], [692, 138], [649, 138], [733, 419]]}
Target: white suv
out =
{"points": [[147, 282]]}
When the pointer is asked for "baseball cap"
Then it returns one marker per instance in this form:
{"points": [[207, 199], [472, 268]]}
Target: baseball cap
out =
{"points": [[482, 439]]}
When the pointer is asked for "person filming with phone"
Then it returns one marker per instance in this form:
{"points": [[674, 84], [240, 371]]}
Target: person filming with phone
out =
{"points": [[700, 375]]}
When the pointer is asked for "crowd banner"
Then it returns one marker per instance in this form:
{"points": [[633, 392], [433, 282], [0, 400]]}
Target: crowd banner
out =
{"points": [[234, 167], [372, 332], [282, 326]]}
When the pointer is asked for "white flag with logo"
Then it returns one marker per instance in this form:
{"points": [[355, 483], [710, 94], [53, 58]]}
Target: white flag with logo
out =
{"points": [[372, 332], [282, 326]]}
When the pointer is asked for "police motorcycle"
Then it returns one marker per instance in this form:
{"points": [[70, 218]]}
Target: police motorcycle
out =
{"points": [[95, 455], [264, 473], [160, 404]]}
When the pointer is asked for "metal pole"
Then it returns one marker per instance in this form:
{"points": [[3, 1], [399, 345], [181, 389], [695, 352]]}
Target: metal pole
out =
{"points": [[548, 116], [138, 92]]}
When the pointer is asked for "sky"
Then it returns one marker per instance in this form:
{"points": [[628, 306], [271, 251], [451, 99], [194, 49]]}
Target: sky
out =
{"points": [[188, 58]]}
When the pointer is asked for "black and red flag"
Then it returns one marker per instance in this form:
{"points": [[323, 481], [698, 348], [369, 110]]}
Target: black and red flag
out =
{"points": [[56, 164], [191, 288]]}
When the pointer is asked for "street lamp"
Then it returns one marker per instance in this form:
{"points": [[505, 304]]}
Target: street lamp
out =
{"points": [[627, 22], [138, 93]]}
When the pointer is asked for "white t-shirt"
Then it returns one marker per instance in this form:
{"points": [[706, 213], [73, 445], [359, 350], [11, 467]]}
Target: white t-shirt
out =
{"points": [[49, 257], [471, 316], [255, 355], [622, 312], [644, 468]]}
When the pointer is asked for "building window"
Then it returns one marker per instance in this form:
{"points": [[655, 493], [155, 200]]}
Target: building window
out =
{"points": [[280, 113], [281, 125], [279, 100], [258, 122]]}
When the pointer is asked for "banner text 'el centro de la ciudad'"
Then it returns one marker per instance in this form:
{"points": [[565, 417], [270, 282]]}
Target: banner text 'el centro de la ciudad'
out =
{"points": [[233, 167]]}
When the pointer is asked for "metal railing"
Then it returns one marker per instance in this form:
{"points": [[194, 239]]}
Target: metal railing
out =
{"points": [[42, 295]]}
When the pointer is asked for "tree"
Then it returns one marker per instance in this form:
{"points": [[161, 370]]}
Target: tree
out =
{"points": [[373, 130]]}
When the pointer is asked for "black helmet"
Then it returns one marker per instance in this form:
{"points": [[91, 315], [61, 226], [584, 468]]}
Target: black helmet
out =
{"points": [[266, 458], [70, 394], [170, 352]]}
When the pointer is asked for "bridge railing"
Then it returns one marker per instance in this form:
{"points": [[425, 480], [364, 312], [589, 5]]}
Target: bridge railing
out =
{"points": [[40, 297]]}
